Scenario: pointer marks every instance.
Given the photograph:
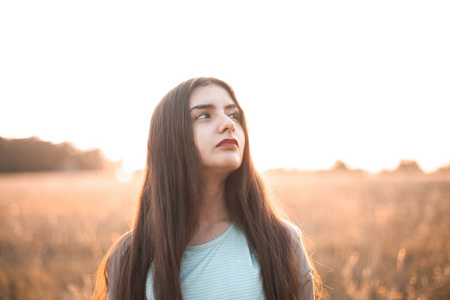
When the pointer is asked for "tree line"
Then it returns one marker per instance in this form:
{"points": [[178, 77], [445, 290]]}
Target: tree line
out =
{"points": [[33, 154]]}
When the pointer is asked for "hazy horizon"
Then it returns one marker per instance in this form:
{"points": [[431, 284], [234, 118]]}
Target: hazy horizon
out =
{"points": [[337, 165], [361, 82]]}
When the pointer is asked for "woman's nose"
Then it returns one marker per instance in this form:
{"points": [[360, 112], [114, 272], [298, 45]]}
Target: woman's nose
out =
{"points": [[227, 124]]}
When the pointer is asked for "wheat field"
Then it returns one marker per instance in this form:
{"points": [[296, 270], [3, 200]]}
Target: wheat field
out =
{"points": [[370, 237]]}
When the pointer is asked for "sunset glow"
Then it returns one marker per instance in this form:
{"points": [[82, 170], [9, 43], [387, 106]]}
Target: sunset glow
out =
{"points": [[366, 83]]}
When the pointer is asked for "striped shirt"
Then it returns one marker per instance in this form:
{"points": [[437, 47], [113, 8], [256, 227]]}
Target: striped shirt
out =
{"points": [[223, 268]]}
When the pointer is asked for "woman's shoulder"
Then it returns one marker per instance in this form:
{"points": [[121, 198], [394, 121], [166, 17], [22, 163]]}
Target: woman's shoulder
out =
{"points": [[295, 232], [299, 248], [296, 235], [306, 284], [120, 246], [117, 252]]}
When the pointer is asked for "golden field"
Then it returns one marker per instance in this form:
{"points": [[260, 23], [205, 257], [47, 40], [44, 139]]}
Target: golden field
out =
{"points": [[371, 237]]}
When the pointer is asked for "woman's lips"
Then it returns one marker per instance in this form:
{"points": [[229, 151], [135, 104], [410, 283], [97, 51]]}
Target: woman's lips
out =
{"points": [[228, 143]]}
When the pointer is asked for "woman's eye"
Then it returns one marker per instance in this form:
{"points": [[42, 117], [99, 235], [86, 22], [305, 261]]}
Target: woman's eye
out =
{"points": [[234, 116], [203, 116]]}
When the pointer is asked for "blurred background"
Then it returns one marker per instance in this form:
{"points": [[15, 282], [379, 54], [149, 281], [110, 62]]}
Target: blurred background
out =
{"points": [[347, 104]]}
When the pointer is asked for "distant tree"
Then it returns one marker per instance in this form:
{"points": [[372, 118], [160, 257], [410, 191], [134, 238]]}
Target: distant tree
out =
{"points": [[444, 169], [405, 168], [33, 154], [442, 172], [339, 166], [408, 166]]}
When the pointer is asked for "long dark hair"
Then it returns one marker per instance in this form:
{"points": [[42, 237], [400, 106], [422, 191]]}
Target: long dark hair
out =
{"points": [[169, 208]]}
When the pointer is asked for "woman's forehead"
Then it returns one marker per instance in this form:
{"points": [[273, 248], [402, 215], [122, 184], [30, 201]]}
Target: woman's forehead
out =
{"points": [[211, 94]]}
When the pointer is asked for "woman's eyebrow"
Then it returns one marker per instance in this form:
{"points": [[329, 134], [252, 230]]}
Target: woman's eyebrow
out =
{"points": [[203, 106], [210, 106], [231, 106]]}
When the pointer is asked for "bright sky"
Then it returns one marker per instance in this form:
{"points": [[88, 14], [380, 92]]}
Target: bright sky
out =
{"points": [[367, 82]]}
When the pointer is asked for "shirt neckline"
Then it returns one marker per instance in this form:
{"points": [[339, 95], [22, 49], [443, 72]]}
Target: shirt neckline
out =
{"points": [[212, 242]]}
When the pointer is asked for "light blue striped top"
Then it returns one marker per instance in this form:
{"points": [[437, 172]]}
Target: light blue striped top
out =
{"points": [[223, 268]]}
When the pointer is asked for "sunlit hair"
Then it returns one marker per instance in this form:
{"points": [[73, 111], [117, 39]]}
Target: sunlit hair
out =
{"points": [[169, 208]]}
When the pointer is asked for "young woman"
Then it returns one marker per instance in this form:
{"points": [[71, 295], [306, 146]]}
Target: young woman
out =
{"points": [[204, 227]]}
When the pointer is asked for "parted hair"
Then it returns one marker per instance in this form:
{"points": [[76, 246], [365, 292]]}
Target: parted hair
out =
{"points": [[169, 208]]}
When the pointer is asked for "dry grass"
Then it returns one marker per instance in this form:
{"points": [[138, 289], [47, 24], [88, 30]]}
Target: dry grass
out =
{"points": [[372, 238]]}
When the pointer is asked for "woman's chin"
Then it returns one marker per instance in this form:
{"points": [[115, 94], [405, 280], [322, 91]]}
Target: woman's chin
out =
{"points": [[224, 167], [232, 164]]}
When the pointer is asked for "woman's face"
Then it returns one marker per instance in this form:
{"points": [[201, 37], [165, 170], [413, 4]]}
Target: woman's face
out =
{"points": [[218, 133]]}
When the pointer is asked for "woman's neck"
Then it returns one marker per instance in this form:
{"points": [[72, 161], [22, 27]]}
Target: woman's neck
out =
{"points": [[214, 207], [214, 219]]}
